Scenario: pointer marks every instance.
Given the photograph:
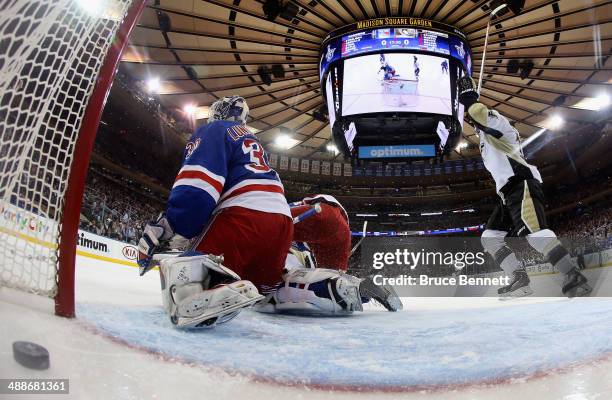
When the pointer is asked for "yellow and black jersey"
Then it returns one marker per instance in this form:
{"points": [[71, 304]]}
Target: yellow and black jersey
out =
{"points": [[500, 147]]}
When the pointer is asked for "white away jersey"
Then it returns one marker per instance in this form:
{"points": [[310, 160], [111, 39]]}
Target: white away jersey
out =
{"points": [[501, 151]]}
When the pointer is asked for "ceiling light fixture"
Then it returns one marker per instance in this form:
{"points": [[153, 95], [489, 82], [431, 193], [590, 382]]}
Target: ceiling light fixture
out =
{"points": [[153, 85], [189, 109], [555, 122], [285, 141], [332, 148]]}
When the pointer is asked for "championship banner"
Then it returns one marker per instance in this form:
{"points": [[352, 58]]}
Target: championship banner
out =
{"points": [[315, 167], [389, 170], [337, 169], [348, 170], [305, 167], [325, 168], [295, 164], [458, 166], [407, 170], [273, 161], [284, 162]]}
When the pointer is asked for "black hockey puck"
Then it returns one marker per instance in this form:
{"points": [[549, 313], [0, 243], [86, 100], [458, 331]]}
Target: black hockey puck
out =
{"points": [[31, 355]]}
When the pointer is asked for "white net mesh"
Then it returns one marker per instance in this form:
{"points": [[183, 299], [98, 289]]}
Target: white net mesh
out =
{"points": [[50, 55]]}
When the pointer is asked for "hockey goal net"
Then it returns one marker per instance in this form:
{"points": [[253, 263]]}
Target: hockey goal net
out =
{"points": [[57, 62]]}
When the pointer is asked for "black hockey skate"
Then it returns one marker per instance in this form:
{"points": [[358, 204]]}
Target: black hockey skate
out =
{"points": [[384, 294], [518, 287], [575, 284]]}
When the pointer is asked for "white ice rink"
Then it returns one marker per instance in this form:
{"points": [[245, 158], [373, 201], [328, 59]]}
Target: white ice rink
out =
{"points": [[121, 346], [363, 91]]}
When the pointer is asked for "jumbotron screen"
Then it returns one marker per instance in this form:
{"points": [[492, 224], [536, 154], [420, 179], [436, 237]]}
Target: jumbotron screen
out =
{"points": [[394, 85], [396, 82]]}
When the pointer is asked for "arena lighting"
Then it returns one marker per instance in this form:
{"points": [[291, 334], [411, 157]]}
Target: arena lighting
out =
{"points": [[603, 101], [462, 145], [153, 85], [533, 137], [332, 148], [285, 141], [189, 109], [555, 122], [594, 103], [424, 214]]}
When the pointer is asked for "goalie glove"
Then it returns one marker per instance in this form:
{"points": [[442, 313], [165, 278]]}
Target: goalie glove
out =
{"points": [[157, 234], [467, 91]]}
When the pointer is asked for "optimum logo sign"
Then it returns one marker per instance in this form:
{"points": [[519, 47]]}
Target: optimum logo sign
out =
{"points": [[87, 243], [401, 151]]}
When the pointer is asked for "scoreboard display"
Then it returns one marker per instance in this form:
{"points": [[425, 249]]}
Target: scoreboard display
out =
{"points": [[398, 38], [393, 82]]}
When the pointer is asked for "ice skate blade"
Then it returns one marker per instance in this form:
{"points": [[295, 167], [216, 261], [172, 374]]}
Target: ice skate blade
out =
{"points": [[210, 320], [522, 292]]}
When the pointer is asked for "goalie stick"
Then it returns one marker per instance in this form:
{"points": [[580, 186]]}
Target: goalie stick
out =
{"points": [[363, 233]]}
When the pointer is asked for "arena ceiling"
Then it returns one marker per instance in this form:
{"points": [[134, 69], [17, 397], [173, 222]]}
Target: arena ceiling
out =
{"points": [[213, 48]]}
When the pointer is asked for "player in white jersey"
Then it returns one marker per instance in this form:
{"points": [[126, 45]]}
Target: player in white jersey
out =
{"points": [[521, 211]]}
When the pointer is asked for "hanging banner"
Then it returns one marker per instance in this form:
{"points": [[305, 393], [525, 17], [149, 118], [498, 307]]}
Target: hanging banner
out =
{"points": [[305, 166], [295, 164], [316, 164], [348, 170], [325, 167], [273, 161], [284, 162], [337, 169]]}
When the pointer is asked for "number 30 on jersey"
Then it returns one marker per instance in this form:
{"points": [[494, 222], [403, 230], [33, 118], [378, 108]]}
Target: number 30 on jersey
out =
{"points": [[257, 154]]}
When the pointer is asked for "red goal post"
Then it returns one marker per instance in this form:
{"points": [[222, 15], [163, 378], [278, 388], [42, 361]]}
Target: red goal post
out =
{"points": [[57, 63]]}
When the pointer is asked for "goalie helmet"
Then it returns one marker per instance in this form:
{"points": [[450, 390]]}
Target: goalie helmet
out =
{"points": [[232, 108]]}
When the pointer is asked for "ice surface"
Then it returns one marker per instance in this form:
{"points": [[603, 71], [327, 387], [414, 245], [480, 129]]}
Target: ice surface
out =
{"points": [[378, 349], [121, 346]]}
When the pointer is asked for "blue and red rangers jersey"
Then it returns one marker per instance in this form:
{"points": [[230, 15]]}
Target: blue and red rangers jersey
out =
{"points": [[224, 166]]}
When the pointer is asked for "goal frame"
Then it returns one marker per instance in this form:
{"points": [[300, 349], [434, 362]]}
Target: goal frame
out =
{"points": [[70, 217]]}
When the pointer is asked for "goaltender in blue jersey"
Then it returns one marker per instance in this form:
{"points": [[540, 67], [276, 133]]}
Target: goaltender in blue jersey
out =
{"points": [[225, 166]]}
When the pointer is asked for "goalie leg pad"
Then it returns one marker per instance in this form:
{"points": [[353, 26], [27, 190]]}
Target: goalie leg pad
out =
{"points": [[198, 291], [315, 291]]}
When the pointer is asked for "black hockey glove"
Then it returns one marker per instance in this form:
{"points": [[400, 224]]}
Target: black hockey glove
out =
{"points": [[467, 91]]}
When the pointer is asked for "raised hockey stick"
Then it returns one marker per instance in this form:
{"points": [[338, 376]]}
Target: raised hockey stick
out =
{"points": [[484, 55], [363, 233], [484, 50]]}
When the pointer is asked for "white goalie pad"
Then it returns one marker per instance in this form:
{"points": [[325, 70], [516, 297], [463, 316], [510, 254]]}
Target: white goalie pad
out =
{"points": [[316, 291], [198, 291]]}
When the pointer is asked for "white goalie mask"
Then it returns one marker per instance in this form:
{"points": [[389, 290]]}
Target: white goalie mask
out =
{"points": [[232, 108]]}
